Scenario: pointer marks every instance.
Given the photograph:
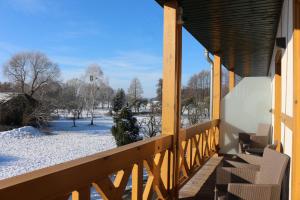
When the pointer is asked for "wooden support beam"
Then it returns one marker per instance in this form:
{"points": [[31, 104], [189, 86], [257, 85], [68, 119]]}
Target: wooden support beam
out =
{"points": [[296, 107], [216, 87], [277, 104], [231, 75], [171, 92], [217, 73]]}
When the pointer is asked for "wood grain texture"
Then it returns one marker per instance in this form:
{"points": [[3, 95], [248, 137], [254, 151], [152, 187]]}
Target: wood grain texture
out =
{"points": [[296, 106], [231, 79], [171, 91], [278, 94]]}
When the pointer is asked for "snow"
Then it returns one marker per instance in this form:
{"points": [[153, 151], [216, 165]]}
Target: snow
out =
{"points": [[6, 96], [26, 149], [23, 132]]}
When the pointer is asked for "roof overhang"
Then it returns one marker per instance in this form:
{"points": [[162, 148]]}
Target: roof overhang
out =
{"points": [[242, 32]]}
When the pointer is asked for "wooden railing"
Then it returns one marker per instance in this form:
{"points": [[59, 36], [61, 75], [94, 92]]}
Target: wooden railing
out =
{"points": [[77, 177], [108, 172], [197, 144]]}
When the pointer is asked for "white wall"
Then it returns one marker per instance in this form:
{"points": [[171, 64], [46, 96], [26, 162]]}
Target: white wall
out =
{"points": [[285, 29], [243, 109]]}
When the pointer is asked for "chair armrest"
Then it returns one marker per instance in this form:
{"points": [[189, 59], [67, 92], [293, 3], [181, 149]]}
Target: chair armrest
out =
{"points": [[258, 141], [237, 164], [227, 175], [254, 191], [251, 159]]}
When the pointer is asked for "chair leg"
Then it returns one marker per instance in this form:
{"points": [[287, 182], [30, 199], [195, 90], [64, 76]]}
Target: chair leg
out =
{"points": [[216, 193]]}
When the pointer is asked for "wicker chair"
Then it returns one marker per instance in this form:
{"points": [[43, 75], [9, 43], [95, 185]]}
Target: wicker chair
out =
{"points": [[263, 184], [250, 161], [259, 139]]}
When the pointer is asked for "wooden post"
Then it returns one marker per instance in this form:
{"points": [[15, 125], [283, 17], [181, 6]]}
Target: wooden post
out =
{"points": [[217, 73], [296, 106], [231, 75], [277, 109], [171, 92], [216, 87]]}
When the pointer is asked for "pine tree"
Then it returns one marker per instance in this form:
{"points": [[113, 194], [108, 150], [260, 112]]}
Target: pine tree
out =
{"points": [[119, 100], [126, 129]]}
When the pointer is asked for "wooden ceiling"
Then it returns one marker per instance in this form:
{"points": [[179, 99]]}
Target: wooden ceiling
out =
{"points": [[242, 32]]}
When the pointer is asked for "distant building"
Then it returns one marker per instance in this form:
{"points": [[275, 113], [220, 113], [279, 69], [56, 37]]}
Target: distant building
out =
{"points": [[14, 107]]}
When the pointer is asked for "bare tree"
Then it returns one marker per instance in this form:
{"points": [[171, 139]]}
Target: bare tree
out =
{"points": [[196, 96], [135, 92], [150, 125], [32, 70], [72, 99], [94, 80], [16, 69], [105, 95]]}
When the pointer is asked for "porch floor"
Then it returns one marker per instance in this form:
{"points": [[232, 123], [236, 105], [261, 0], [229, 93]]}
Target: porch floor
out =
{"points": [[203, 184]]}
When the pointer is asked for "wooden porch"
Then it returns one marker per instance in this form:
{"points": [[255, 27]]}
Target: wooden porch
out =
{"points": [[153, 156], [173, 158]]}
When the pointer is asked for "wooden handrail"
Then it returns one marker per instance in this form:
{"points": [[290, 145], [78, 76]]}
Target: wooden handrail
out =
{"points": [[197, 144], [62, 179], [187, 133]]}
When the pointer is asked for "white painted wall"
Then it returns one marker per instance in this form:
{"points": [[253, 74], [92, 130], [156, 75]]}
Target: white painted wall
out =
{"points": [[285, 29], [243, 109]]}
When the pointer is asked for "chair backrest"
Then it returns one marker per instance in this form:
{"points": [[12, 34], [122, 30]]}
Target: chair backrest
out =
{"points": [[273, 167], [263, 130]]}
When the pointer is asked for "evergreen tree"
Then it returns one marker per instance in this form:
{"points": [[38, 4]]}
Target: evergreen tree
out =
{"points": [[126, 129], [119, 100]]}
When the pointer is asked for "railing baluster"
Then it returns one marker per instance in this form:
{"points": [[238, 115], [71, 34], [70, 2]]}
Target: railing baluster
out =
{"points": [[82, 194], [137, 181]]}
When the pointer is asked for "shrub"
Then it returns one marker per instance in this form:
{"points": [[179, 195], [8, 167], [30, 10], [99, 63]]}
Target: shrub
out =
{"points": [[126, 129]]}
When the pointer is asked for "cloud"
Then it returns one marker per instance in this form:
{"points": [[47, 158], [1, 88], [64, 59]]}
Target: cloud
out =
{"points": [[119, 69]]}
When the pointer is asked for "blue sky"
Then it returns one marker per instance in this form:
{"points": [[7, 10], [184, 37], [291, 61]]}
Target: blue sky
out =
{"points": [[124, 37]]}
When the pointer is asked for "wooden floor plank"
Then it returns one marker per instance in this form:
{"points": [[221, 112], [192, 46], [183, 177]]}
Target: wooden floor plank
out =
{"points": [[202, 184]]}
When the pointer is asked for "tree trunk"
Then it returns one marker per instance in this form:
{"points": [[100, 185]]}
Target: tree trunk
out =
{"points": [[74, 119], [92, 119]]}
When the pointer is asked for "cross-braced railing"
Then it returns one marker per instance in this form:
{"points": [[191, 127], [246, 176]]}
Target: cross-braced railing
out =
{"points": [[75, 178], [197, 144], [146, 163]]}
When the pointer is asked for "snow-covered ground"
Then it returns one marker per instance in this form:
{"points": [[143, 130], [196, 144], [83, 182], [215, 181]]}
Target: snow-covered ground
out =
{"points": [[27, 149]]}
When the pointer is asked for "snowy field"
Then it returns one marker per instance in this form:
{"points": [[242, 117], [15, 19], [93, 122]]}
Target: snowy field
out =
{"points": [[27, 149]]}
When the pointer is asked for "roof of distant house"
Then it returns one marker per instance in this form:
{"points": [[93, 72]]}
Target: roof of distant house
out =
{"points": [[7, 96]]}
